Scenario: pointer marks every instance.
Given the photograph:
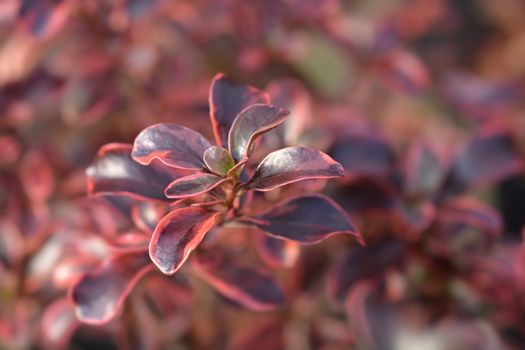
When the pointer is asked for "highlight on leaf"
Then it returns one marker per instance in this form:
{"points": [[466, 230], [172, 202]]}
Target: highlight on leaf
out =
{"points": [[193, 185], [250, 124], [174, 145], [293, 164], [219, 160], [307, 220], [177, 235], [227, 99], [114, 172]]}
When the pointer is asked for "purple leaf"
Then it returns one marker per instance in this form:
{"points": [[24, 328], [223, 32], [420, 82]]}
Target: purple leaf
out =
{"points": [[488, 158], [193, 185], [253, 288], [227, 100], [363, 263], [364, 156], [99, 295], [367, 195], [293, 164], [250, 124], [115, 172], [374, 322], [174, 145], [177, 235], [307, 219], [218, 160]]}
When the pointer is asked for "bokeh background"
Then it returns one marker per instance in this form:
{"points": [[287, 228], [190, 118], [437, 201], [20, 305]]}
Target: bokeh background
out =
{"points": [[368, 81]]}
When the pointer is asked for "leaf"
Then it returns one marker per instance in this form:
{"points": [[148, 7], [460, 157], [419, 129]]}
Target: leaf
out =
{"points": [[487, 159], [293, 96], [58, 324], [363, 263], [307, 219], [177, 235], [374, 321], [248, 286], [363, 156], [227, 100], [193, 185], [218, 160], [99, 295], [251, 123], [146, 215], [404, 71], [465, 225], [174, 145], [115, 172], [293, 164], [367, 195], [277, 253]]}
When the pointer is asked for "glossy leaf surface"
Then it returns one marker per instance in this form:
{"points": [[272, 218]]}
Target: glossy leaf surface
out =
{"points": [[250, 124], [218, 160], [227, 100], [307, 220], [99, 294], [115, 172], [174, 145], [293, 164], [193, 185], [177, 235]]}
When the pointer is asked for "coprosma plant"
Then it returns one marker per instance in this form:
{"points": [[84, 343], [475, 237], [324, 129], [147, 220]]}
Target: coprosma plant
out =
{"points": [[217, 176]]}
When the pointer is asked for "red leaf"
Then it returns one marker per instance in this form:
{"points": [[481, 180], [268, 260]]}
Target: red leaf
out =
{"points": [[227, 100], [253, 288], [193, 185], [174, 145], [307, 219], [293, 164], [218, 160], [115, 172], [99, 295], [250, 124], [177, 235]]}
